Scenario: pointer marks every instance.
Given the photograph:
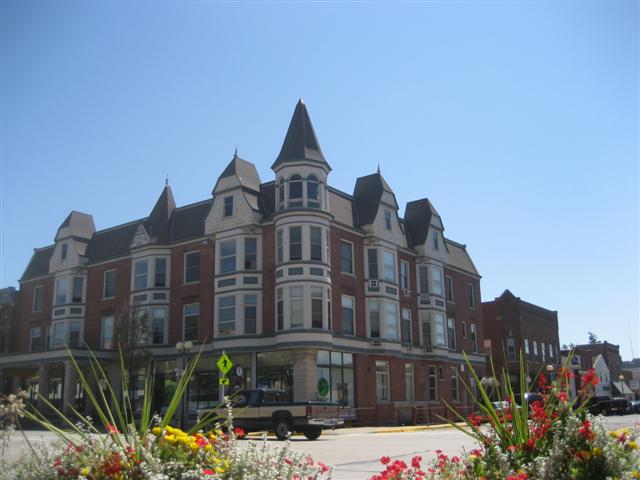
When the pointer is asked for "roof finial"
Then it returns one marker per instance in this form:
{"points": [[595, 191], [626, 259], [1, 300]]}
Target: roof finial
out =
{"points": [[235, 154], [378, 168], [166, 181]]}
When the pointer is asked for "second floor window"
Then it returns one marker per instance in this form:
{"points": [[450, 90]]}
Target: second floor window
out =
{"points": [[426, 333], [382, 381], [109, 290], [228, 256], [451, 333], [296, 307], [511, 349], [250, 254], [406, 325], [474, 337], [295, 243], [346, 257], [38, 298], [250, 313], [191, 318], [348, 315], [316, 307], [391, 320], [372, 260], [228, 206], [423, 276], [227, 315], [35, 337], [374, 318], [192, 267], [440, 331], [158, 322], [472, 296]]}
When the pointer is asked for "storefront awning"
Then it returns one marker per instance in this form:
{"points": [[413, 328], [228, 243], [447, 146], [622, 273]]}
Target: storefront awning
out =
{"points": [[622, 389]]}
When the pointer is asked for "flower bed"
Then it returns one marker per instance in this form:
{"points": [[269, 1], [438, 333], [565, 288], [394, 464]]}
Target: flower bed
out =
{"points": [[552, 439]]}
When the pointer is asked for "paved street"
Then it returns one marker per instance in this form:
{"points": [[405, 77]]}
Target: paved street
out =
{"points": [[355, 453]]}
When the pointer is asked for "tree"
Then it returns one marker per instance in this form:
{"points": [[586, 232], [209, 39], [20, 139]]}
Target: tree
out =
{"points": [[131, 337], [593, 338]]}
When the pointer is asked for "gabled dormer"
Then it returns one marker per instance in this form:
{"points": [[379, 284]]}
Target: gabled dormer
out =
{"points": [[301, 169], [425, 230], [236, 197], [377, 209], [140, 238], [71, 241]]}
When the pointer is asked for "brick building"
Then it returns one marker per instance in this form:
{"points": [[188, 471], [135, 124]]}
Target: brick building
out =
{"points": [[298, 282], [513, 326]]}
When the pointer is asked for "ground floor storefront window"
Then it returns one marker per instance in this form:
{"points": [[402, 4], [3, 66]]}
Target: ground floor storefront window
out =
{"points": [[335, 380], [275, 371]]}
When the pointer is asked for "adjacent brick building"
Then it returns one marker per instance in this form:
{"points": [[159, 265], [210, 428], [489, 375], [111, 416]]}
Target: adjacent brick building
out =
{"points": [[298, 282], [513, 326]]}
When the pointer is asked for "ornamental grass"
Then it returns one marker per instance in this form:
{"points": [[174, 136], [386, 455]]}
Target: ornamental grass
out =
{"points": [[122, 446]]}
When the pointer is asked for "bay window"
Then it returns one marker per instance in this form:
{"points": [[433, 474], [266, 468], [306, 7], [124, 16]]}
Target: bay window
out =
{"points": [[315, 234], [391, 320], [227, 256], [374, 318], [389, 266], [440, 330], [295, 243], [296, 306], [437, 280], [250, 313], [227, 315], [250, 253]]}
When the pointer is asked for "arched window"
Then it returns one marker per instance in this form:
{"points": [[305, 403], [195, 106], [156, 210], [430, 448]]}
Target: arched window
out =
{"points": [[295, 191], [280, 193], [313, 194]]}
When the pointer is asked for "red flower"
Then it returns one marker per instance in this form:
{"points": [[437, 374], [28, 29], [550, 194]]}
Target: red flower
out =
{"points": [[415, 461], [384, 460], [208, 471], [323, 467], [542, 380], [590, 378], [239, 432], [112, 428], [585, 431], [518, 476], [562, 396]]}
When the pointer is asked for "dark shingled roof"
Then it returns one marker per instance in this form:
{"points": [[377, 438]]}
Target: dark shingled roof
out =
{"points": [[188, 222], [417, 215], [39, 263], [267, 199], [367, 195], [81, 224], [245, 171], [300, 143], [113, 242]]}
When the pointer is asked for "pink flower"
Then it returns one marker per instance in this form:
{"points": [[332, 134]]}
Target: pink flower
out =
{"points": [[208, 471], [112, 428], [323, 467]]}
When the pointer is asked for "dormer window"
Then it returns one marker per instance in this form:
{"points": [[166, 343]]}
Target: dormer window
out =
{"points": [[313, 194], [387, 220], [228, 206], [435, 241], [295, 191], [65, 248]]}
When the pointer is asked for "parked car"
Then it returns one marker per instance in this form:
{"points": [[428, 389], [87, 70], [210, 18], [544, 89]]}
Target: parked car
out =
{"points": [[635, 406], [620, 405], [266, 409], [598, 405]]}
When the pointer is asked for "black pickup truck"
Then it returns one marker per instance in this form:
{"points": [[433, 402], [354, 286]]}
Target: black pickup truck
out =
{"points": [[262, 409]]}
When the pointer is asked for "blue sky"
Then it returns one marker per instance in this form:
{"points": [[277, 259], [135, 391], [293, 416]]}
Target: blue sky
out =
{"points": [[518, 120]]}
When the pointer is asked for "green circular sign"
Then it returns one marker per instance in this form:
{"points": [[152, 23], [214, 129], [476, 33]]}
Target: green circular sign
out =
{"points": [[323, 387]]}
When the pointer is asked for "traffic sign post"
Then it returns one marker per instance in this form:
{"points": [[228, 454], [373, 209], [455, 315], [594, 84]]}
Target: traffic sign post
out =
{"points": [[225, 364]]}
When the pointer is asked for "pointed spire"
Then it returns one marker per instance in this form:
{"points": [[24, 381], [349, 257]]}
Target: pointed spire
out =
{"points": [[166, 181], [235, 154], [161, 213], [378, 168], [300, 144]]}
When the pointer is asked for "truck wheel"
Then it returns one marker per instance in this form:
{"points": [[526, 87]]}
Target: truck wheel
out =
{"points": [[312, 433], [283, 428]]}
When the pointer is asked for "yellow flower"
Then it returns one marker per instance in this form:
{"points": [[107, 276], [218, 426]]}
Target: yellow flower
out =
{"points": [[635, 474], [170, 438], [85, 471], [156, 430], [597, 451], [633, 444], [586, 454]]}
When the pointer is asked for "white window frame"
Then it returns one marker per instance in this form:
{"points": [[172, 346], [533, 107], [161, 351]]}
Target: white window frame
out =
{"points": [[32, 337], [311, 244], [351, 247], [437, 283], [226, 204], [382, 381], [526, 347], [351, 299], [151, 261], [440, 323], [59, 282], [244, 311], [391, 324], [298, 302], [373, 306], [387, 220], [184, 272], [280, 246], [451, 334], [448, 288], [102, 331], [104, 283], [230, 308], [455, 385], [36, 289], [184, 321], [405, 278], [256, 253], [222, 258], [409, 383], [291, 244], [392, 255], [404, 320], [165, 318]]}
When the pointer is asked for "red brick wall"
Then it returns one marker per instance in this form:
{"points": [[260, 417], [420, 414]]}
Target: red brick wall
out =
{"points": [[29, 318], [460, 310]]}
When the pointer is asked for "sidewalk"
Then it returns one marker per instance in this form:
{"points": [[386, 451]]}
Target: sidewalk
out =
{"points": [[369, 430]]}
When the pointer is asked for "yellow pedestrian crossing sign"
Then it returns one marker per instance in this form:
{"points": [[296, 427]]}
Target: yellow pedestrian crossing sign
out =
{"points": [[225, 364], [224, 381]]}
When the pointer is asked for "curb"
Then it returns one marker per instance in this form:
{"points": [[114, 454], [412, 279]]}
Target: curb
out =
{"points": [[418, 428]]}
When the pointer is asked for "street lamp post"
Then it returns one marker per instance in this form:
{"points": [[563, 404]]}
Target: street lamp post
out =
{"points": [[183, 348]]}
